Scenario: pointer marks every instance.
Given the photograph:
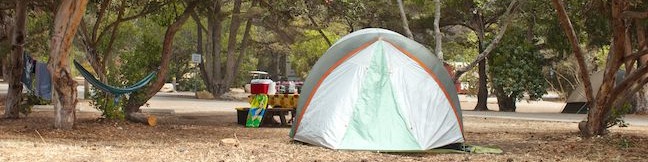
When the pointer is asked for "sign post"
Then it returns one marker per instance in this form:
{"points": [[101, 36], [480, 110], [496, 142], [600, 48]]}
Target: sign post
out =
{"points": [[196, 59]]}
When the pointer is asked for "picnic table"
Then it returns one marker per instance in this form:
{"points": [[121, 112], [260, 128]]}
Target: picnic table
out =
{"points": [[278, 105]]}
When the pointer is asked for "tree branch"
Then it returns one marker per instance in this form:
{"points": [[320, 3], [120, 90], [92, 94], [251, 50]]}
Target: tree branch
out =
{"points": [[630, 85], [196, 18], [486, 52], [635, 14], [102, 11], [145, 11], [580, 56], [635, 55]]}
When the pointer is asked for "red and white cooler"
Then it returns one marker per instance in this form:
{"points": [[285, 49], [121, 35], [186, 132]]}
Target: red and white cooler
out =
{"points": [[262, 86]]}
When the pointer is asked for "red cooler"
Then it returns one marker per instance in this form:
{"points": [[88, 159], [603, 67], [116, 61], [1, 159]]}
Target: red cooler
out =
{"points": [[260, 86]]}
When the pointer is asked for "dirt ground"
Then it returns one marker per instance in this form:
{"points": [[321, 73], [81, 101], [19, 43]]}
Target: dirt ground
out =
{"points": [[197, 137]]}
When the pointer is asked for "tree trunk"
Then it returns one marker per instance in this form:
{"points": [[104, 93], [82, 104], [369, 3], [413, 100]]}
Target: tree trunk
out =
{"points": [[482, 89], [578, 52], [641, 102], [437, 32], [506, 103], [482, 93], [401, 8], [231, 47], [134, 103], [596, 117], [216, 32], [244, 42], [64, 96], [641, 98], [16, 63]]}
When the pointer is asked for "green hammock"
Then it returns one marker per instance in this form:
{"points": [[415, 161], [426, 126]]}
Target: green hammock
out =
{"points": [[112, 89]]}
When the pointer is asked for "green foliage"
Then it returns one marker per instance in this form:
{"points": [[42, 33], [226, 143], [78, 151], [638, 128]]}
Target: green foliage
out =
{"points": [[626, 143], [105, 103], [516, 65], [304, 54], [136, 55], [460, 47], [142, 60], [616, 116]]}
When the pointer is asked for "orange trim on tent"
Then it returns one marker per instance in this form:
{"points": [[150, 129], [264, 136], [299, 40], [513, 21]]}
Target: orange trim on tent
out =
{"points": [[326, 74], [443, 88]]}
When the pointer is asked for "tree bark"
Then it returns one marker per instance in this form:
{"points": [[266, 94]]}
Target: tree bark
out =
{"points": [[134, 103], [596, 117], [64, 96], [482, 93], [16, 63], [216, 32], [401, 8], [437, 32], [235, 24], [245, 41]]}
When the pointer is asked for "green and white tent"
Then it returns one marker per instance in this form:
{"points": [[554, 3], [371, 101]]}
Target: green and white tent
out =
{"points": [[375, 89]]}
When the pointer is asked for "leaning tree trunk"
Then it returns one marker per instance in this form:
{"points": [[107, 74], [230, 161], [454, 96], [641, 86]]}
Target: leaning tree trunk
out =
{"points": [[245, 42], [14, 95], [134, 103], [64, 96], [235, 24]]}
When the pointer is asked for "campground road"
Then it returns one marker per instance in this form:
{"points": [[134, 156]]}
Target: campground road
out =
{"points": [[557, 117], [185, 102]]}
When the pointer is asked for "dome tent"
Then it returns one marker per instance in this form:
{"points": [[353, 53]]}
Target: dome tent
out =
{"points": [[375, 89]]}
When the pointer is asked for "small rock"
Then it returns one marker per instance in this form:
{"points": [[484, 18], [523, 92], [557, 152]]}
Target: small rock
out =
{"points": [[230, 142], [509, 160]]}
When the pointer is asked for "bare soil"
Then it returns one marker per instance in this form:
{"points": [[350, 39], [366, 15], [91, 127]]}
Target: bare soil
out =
{"points": [[197, 137]]}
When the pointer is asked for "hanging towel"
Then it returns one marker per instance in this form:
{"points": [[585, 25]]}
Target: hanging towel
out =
{"points": [[43, 81], [27, 72]]}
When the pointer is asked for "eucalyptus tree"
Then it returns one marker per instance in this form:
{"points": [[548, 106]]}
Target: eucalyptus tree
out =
{"points": [[611, 96], [18, 37], [67, 19]]}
